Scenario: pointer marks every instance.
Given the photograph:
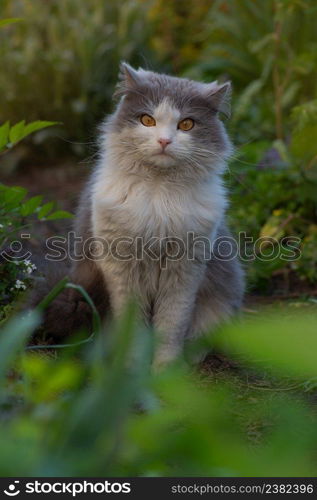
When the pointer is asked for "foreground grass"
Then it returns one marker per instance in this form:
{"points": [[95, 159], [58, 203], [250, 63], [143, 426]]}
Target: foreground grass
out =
{"points": [[96, 408]]}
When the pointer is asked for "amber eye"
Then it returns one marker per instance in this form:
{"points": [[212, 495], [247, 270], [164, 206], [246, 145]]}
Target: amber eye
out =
{"points": [[186, 124], [147, 121]]}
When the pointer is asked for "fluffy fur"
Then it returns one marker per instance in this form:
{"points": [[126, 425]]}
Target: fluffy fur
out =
{"points": [[141, 192]]}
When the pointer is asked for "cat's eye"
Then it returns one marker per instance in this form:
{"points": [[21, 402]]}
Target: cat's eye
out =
{"points": [[186, 124], [147, 120]]}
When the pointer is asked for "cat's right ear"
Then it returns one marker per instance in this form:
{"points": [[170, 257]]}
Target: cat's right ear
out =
{"points": [[129, 80], [219, 95]]}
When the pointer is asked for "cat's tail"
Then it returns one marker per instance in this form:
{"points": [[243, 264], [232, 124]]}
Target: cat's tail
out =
{"points": [[69, 312]]}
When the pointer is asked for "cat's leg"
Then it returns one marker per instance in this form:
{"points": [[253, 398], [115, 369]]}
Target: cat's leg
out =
{"points": [[173, 308], [125, 285], [116, 277], [218, 298]]}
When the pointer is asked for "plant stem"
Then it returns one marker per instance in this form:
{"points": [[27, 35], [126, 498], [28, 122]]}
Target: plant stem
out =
{"points": [[58, 288], [277, 83]]}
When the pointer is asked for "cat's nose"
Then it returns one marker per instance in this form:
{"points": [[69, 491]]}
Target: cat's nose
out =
{"points": [[164, 142]]}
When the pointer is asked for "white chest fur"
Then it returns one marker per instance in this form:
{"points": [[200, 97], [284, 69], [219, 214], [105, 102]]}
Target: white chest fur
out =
{"points": [[153, 207]]}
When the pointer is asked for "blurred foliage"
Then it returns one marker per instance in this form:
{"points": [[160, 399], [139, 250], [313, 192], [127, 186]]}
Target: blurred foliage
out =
{"points": [[16, 214], [179, 31], [11, 135], [97, 410], [63, 60], [268, 50]]}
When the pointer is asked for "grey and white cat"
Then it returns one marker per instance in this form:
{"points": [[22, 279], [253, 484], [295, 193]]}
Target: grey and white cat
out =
{"points": [[158, 180]]}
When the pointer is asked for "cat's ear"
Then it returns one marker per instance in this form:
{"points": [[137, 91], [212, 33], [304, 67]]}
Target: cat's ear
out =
{"points": [[220, 96], [128, 80], [128, 74]]}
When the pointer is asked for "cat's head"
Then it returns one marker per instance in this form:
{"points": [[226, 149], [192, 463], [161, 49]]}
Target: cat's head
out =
{"points": [[167, 122]]}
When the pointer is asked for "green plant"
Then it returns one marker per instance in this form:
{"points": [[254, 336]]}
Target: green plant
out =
{"points": [[270, 61], [11, 135], [97, 410], [272, 177], [72, 61], [16, 215]]}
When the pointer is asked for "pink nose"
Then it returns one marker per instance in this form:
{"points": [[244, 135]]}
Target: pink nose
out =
{"points": [[164, 142]]}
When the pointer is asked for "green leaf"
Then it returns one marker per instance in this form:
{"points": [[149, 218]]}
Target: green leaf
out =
{"points": [[11, 20], [282, 149], [14, 336], [19, 131], [37, 125], [284, 344], [16, 132], [4, 135], [290, 94], [303, 143], [246, 97], [258, 45], [14, 195], [30, 205], [45, 209], [59, 214]]}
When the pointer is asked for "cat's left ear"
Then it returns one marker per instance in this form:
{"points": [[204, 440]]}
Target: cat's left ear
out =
{"points": [[128, 80], [220, 96]]}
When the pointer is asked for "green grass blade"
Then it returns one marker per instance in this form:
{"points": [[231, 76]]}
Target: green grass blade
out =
{"points": [[14, 336]]}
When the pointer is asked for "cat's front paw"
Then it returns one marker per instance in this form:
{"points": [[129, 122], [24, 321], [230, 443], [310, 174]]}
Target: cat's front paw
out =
{"points": [[164, 357]]}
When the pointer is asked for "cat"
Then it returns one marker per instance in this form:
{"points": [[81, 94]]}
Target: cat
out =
{"points": [[154, 201]]}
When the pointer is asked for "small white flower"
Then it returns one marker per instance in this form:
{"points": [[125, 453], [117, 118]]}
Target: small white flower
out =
{"points": [[30, 267], [1, 226], [20, 285]]}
